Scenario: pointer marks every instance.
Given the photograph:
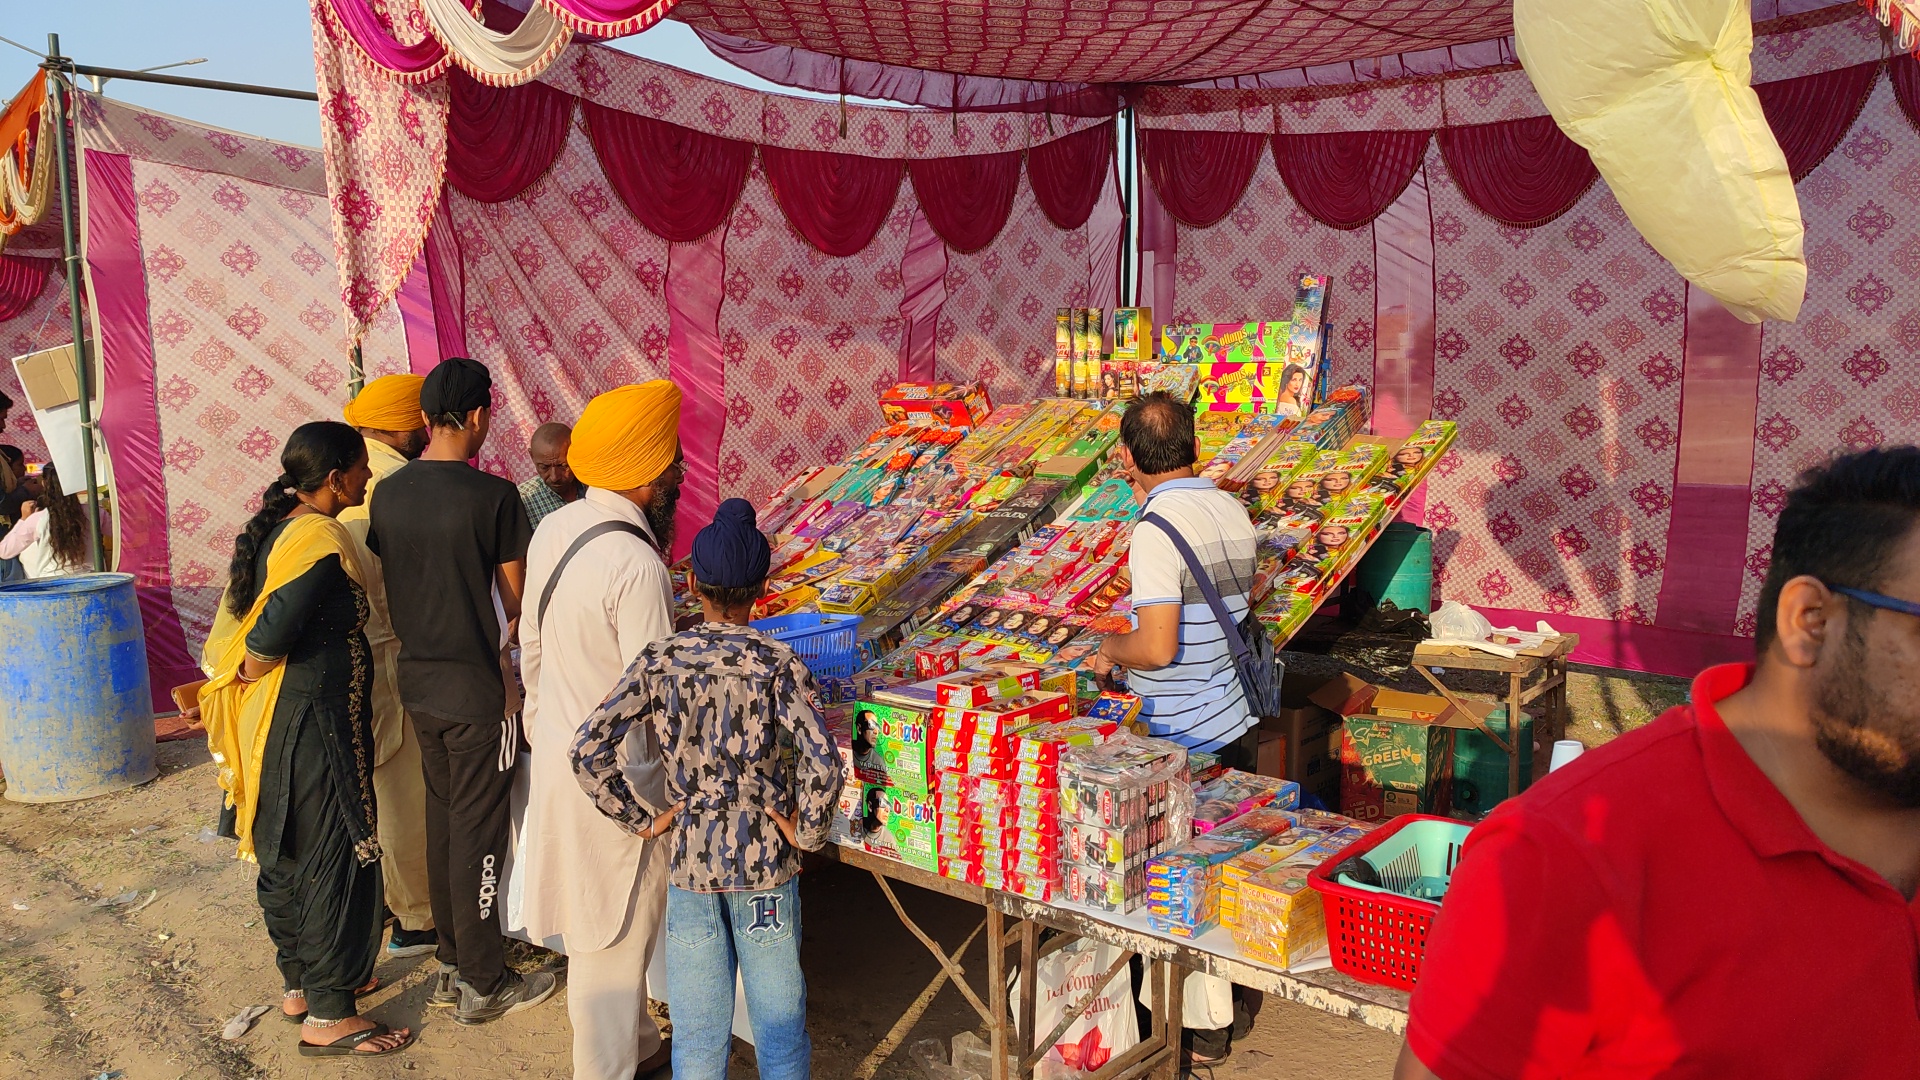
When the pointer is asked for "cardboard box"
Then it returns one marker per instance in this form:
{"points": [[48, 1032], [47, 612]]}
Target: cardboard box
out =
{"points": [[1270, 757], [900, 825], [893, 747], [1315, 766], [51, 378]]}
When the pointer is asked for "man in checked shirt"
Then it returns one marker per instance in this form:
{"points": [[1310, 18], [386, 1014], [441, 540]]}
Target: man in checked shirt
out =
{"points": [[723, 697]]}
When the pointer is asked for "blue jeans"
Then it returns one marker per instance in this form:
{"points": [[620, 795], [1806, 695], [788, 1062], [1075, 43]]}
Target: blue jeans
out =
{"points": [[709, 935]]}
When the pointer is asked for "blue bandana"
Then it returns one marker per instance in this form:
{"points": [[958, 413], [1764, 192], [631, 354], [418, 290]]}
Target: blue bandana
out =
{"points": [[731, 553]]}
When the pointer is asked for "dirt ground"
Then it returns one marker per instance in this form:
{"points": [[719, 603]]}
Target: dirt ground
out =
{"points": [[93, 982]]}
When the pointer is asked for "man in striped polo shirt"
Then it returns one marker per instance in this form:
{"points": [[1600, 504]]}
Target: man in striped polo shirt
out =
{"points": [[1176, 657]]}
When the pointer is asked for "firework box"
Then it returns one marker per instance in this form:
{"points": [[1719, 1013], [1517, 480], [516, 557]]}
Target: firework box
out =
{"points": [[943, 405], [1176, 379], [974, 689], [1236, 385], [900, 825], [1205, 343], [893, 747], [928, 663], [1133, 333], [1415, 457], [1063, 351], [1304, 338]]}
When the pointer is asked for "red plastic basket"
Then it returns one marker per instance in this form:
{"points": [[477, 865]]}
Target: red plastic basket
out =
{"points": [[1375, 937]]}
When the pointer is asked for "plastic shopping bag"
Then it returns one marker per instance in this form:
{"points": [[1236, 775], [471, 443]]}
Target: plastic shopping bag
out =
{"points": [[1106, 1030]]}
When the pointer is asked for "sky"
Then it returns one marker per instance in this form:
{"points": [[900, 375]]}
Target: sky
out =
{"points": [[267, 42]]}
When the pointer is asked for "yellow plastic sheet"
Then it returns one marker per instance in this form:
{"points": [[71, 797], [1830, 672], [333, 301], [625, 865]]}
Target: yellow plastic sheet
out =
{"points": [[1657, 91]]}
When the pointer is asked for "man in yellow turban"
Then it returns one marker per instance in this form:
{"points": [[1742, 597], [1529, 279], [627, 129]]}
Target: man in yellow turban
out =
{"points": [[592, 889], [387, 413]]}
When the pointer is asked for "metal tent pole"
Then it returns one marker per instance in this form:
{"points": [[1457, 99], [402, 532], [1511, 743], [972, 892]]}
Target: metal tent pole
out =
{"points": [[182, 80], [69, 202]]}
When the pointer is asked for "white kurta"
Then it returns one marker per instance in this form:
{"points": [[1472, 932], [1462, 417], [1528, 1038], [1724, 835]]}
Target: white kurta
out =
{"points": [[578, 869]]}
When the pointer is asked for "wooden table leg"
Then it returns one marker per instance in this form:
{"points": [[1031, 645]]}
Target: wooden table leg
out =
{"points": [[997, 990], [1029, 999], [1176, 1001], [1514, 749]]}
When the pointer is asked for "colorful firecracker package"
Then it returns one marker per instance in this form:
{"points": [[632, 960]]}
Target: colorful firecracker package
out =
{"points": [[1305, 341], [1344, 532], [1117, 891], [898, 825], [1414, 458], [971, 689], [935, 404], [846, 815], [1063, 351], [1234, 793], [1133, 333], [1175, 379], [1281, 920], [1253, 860], [893, 747]]}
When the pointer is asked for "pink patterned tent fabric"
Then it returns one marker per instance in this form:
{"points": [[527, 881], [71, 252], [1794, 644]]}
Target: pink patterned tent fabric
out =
{"points": [[219, 331], [1594, 485]]}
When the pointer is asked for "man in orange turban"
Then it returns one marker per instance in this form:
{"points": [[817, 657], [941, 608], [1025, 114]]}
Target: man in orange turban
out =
{"points": [[387, 412], [627, 440], [592, 889]]}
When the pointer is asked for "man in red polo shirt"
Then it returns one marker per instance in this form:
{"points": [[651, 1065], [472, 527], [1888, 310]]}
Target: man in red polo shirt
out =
{"points": [[1727, 892]]}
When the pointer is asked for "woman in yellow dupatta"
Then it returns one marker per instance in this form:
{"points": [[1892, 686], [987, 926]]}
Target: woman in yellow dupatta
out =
{"points": [[289, 721]]}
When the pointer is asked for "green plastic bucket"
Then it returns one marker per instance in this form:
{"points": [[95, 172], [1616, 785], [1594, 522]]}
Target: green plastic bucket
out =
{"points": [[1480, 766], [1398, 567]]}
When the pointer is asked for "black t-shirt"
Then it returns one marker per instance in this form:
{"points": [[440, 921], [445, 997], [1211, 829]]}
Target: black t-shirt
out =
{"points": [[441, 529]]}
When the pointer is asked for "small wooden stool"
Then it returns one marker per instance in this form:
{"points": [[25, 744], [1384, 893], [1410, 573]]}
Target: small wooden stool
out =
{"points": [[1537, 673]]}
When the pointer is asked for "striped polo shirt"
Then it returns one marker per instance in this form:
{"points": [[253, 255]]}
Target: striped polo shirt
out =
{"points": [[1196, 700]]}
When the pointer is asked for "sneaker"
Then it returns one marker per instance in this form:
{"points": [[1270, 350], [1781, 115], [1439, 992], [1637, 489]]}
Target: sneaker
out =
{"points": [[412, 942], [446, 988], [516, 992]]}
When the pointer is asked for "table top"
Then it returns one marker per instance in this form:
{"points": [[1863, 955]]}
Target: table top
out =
{"points": [[1459, 656], [1214, 952]]}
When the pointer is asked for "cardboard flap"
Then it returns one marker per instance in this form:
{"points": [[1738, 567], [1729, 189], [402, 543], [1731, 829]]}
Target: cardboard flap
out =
{"points": [[1345, 694], [49, 377]]}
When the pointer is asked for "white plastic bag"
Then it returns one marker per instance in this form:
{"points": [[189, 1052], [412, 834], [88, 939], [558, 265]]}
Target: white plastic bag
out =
{"points": [[1206, 1001], [1106, 1030], [1455, 621]]}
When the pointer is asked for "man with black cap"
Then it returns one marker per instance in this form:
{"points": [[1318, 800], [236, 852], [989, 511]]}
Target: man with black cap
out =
{"points": [[452, 542], [721, 698]]}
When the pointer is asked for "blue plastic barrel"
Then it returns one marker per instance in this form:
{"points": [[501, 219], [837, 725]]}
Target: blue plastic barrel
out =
{"points": [[1398, 567], [76, 714]]}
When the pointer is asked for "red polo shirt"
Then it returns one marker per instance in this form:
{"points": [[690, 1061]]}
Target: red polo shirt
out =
{"points": [[1658, 908]]}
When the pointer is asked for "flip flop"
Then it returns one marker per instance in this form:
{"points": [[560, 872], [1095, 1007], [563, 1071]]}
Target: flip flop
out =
{"points": [[347, 1045], [301, 1016]]}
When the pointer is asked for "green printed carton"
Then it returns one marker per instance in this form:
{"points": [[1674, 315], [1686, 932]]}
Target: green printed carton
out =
{"points": [[900, 825], [892, 747]]}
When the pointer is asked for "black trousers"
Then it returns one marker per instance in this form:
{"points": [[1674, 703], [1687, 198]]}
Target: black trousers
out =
{"points": [[321, 907], [468, 817]]}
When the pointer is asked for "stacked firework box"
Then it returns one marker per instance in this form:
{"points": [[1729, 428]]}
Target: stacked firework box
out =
{"points": [[1183, 886], [1277, 919], [998, 737], [1077, 339], [1116, 814]]}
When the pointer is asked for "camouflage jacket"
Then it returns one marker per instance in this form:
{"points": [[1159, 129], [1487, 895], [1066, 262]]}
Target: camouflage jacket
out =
{"points": [[726, 701]]}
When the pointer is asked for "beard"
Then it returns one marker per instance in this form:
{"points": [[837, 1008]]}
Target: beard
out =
{"points": [[1863, 731], [660, 515], [415, 445]]}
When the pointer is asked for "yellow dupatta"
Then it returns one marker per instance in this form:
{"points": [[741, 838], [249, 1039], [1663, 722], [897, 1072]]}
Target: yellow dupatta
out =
{"points": [[238, 714]]}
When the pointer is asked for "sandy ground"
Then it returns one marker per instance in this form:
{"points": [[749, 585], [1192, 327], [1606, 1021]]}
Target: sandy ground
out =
{"points": [[139, 989]]}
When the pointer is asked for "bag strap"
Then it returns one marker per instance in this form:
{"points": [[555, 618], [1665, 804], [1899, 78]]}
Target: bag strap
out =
{"points": [[1236, 642], [585, 538]]}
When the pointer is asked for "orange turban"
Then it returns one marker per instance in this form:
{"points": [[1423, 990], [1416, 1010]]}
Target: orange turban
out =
{"points": [[626, 437], [388, 403]]}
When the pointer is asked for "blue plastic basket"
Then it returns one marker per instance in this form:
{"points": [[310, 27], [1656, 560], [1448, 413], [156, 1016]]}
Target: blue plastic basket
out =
{"points": [[825, 643]]}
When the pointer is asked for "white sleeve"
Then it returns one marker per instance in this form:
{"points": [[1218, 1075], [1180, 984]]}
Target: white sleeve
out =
{"points": [[640, 614], [1156, 567]]}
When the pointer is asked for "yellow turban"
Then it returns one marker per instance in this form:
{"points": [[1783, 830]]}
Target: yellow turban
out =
{"points": [[626, 437], [388, 403]]}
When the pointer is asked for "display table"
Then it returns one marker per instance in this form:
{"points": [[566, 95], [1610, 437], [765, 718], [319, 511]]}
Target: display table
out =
{"points": [[1014, 920], [1536, 673]]}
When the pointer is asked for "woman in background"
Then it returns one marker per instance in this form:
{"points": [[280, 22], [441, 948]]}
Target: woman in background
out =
{"points": [[289, 721], [50, 539]]}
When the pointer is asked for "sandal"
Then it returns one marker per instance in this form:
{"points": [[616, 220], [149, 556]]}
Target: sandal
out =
{"points": [[301, 1016], [348, 1045]]}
